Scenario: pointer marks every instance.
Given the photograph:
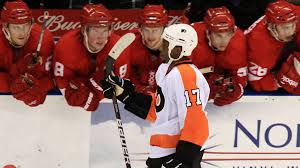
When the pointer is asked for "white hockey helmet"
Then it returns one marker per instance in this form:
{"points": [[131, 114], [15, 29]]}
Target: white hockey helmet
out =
{"points": [[182, 35]]}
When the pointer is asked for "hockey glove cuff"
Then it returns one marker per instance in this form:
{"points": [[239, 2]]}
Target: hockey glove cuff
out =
{"points": [[174, 163], [289, 74], [188, 153]]}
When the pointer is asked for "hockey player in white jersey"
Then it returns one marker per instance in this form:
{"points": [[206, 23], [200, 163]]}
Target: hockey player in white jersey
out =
{"points": [[179, 123]]}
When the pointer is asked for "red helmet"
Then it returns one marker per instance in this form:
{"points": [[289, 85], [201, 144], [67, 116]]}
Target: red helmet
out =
{"points": [[219, 20], [154, 16], [16, 12], [96, 14], [280, 12]]}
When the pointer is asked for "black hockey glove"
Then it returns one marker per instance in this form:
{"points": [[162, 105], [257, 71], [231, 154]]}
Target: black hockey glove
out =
{"points": [[108, 89], [123, 87], [189, 153], [137, 103]]}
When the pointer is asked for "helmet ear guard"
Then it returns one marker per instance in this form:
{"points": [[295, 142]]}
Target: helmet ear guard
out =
{"points": [[182, 35]]}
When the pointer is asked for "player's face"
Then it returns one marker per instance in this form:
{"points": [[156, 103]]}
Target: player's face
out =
{"points": [[19, 33], [286, 31], [97, 37], [164, 51], [220, 40], [152, 35]]}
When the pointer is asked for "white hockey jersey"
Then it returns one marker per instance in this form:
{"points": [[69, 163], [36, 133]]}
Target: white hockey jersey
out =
{"points": [[181, 97]]}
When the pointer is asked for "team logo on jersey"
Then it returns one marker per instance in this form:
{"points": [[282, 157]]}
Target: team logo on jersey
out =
{"points": [[160, 100]]}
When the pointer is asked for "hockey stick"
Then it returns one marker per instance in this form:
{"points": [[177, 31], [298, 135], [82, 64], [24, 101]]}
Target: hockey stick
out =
{"points": [[114, 53], [121, 131], [207, 69], [36, 57], [297, 65], [39, 45], [117, 49]]}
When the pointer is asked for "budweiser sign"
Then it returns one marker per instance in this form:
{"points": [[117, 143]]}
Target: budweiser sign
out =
{"points": [[60, 21]]}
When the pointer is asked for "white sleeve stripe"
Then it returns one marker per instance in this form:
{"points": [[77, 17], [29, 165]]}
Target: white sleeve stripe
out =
{"points": [[89, 100], [95, 84], [252, 77]]}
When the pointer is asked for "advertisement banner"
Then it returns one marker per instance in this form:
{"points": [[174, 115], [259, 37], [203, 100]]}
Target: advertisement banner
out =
{"points": [[255, 132], [60, 21]]}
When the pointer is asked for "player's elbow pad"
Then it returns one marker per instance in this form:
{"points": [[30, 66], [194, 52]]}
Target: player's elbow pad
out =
{"points": [[139, 104]]}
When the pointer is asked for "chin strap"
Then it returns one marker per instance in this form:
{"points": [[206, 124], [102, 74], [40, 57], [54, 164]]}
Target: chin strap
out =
{"points": [[10, 40], [209, 41], [170, 48], [274, 33]]}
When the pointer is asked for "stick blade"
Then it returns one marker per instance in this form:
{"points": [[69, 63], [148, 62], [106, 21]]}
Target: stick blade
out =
{"points": [[121, 45]]}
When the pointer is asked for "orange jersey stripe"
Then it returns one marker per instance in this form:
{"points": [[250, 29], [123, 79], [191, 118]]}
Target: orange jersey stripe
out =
{"points": [[164, 141], [151, 117], [195, 128]]}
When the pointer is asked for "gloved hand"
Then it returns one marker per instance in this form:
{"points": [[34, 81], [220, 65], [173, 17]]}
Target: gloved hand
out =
{"points": [[95, 83], [267, 83], [216, 84], [233, 93], [33, 97], [78, 94], [289, 74], [33, 59], [30, 62], [123, 87], [21, 83], [173, 163], [26, 88], [108, 89]]}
